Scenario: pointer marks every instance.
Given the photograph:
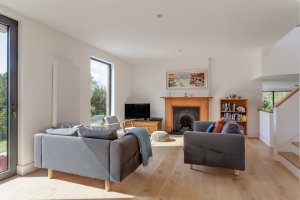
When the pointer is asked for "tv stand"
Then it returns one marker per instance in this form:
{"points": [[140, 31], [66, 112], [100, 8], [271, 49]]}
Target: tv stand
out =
{"points": [[150, 126]]}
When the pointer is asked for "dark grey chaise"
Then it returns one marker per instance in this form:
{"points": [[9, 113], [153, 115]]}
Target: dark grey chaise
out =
{"points": [[109, 160], [215, 150]]}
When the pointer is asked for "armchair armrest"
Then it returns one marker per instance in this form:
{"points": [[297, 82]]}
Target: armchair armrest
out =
{"points": [[223, 150], [38, 150], [125, 157]]}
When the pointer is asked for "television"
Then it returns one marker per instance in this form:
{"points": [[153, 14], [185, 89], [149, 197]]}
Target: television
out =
{"points": [[137, 111]]}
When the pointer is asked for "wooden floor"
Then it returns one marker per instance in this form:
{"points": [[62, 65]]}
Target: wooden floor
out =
{"points": [[168, 178]]}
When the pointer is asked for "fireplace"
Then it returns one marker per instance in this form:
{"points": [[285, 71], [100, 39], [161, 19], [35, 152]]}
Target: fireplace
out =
{"points": [[202, 113], [183, 118]]}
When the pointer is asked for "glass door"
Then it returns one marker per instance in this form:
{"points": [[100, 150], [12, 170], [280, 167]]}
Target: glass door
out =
{"points": [[8, 97]]}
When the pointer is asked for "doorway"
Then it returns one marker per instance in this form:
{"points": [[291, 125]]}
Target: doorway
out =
{"points": [[8, 96]]}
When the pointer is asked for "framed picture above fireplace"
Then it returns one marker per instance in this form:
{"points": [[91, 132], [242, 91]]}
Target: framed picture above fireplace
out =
{"points": [[186, 79]]}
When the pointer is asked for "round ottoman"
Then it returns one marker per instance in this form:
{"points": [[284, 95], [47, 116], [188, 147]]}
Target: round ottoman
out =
{"points": [[160, 136]]}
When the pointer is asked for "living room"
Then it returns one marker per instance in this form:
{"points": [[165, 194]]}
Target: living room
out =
{"points": [[143, 41]]}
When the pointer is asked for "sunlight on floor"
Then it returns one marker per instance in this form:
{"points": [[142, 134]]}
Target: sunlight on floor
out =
{"points": [[55, 188], [175, 140]]}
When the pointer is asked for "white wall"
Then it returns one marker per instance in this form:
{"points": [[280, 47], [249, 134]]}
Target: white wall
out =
{"points": [[150, 84], [286, 123], [38, 47], [257, 63], [226, 76], [234, 76], [266, 132], [66, 95], [282, 57]]}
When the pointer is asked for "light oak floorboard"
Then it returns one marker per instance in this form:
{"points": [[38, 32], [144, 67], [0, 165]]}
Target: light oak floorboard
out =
{"points": [[167, 177]]}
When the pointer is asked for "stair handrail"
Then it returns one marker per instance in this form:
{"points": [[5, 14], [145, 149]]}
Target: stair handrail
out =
{"points": [[294, 91]]}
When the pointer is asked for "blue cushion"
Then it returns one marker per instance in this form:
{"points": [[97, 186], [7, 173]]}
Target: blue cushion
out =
{"points": [[210, 128]]}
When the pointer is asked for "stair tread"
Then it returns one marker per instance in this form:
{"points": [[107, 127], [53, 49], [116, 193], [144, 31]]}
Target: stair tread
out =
{"points": [[292, 158], [296, 143]]}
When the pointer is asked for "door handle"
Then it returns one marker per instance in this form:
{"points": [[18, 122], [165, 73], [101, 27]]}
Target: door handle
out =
{"points": [[13, 110]]}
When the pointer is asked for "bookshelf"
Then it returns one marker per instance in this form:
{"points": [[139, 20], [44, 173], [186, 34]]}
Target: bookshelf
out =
{"points": [[236, 109]]}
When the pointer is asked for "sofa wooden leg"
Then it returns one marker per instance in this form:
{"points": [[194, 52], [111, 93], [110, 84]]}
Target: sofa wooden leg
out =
{"points": [[50, 173], [191, 166], [236, 172], [107, 185]]}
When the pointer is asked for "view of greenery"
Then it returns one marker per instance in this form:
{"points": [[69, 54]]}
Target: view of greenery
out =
{"points": [[267, 98], [98, 103], [3, 112], [3, 145]]}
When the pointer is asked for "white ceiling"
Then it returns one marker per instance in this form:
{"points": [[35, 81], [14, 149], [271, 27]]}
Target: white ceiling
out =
{"points": [[130, 29]]}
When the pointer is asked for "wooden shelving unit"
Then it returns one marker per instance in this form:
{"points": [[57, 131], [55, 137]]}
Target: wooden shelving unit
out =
{"points": [[241, 117]]}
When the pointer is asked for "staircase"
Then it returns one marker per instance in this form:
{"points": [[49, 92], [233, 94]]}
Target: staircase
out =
{"points": [[286, 132], [291, 160]]}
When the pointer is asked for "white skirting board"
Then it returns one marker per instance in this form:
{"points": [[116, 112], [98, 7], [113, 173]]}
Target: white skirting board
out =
{"points": [[22, 170]]}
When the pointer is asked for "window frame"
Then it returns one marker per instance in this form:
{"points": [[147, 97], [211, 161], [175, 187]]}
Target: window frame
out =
{"points": [[109, 94], [12, 92], [273, 95]]}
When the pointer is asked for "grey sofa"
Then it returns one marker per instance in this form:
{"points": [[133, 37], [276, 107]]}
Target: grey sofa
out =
{"points": [[109, 160], [215, 150]]}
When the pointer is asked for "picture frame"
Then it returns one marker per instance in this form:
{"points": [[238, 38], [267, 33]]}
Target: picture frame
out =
{"points": [[186, 79]]}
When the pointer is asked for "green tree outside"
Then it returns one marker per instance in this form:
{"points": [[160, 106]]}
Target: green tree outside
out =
{"points": [[98, 102], [3, 112]]}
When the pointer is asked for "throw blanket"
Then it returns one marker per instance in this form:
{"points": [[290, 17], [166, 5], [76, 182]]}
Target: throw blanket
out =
{"points": [[144, 142]]}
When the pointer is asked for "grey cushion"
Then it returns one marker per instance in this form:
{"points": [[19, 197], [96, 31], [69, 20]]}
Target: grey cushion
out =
{"points": [[112, 122], [62, 131], [231, 127], [98, 132]]}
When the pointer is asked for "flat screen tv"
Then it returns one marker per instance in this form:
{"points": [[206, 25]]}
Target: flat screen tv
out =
{"points": [[137, 111]]}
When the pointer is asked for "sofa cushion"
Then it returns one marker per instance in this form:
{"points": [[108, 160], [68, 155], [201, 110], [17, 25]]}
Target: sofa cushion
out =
{"points": [[210, 128], [62, 131], [98, 132], [219, 126], [231, 127]]}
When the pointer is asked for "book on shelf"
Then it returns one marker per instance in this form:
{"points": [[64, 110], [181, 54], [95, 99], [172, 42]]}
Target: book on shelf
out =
{"points": [[233, 116], [228, 107]]}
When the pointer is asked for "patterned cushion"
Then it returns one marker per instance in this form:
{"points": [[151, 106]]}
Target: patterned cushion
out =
{"points": [[219, 126]]}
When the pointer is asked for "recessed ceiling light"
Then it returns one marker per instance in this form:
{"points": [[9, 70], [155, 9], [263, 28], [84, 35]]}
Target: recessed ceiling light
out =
{"points": [[159, 15], [179, 50]]}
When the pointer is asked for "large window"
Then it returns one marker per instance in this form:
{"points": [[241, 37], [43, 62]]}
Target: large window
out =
{"points": [[100, 91], [271, 98], [8, 96]]}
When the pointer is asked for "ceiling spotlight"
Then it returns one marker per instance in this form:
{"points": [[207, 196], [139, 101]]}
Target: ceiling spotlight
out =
{"points": [[180, 50], [159, 15]]}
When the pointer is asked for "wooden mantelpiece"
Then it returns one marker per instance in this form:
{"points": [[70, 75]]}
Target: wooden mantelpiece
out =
{"points": [[170, 102]]}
